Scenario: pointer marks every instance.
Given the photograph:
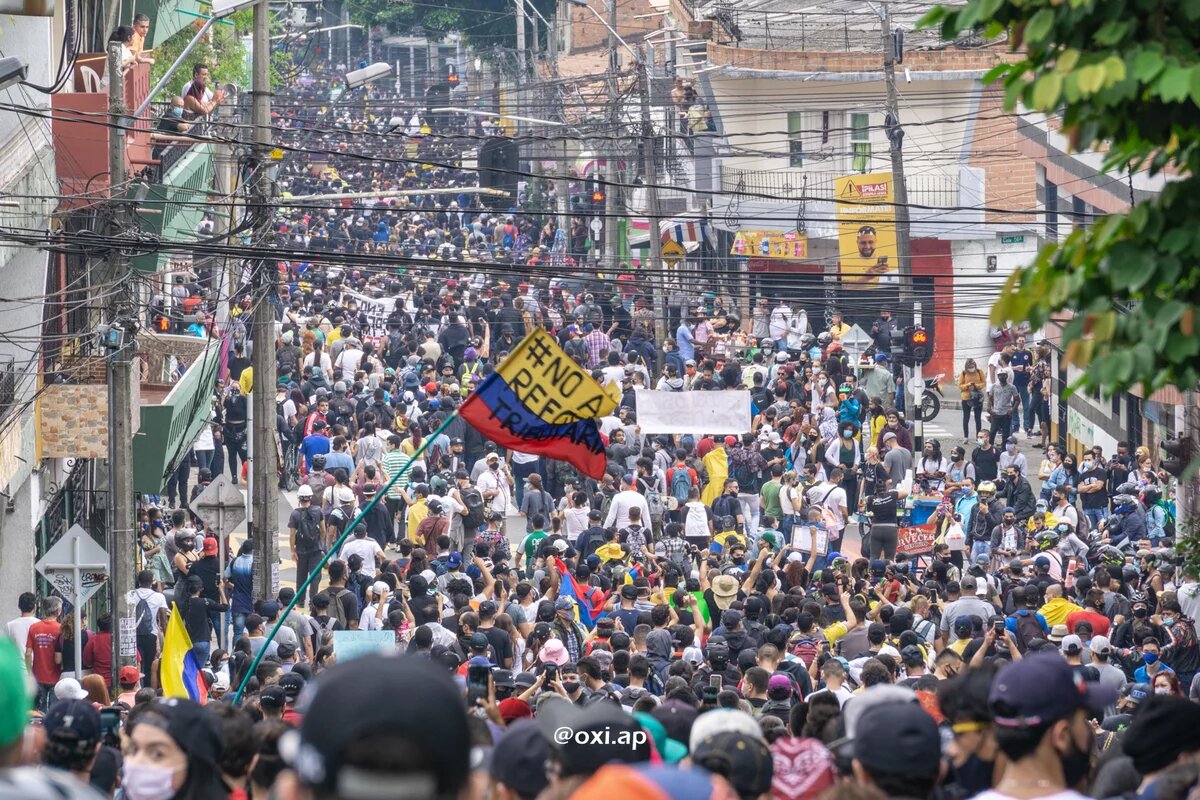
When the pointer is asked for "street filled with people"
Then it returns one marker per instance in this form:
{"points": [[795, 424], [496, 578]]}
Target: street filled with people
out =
{"points": [[809, 606]]}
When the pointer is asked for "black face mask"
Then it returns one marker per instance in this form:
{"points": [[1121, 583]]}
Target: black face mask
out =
{"points": [[571, 687], [1075, 764]]}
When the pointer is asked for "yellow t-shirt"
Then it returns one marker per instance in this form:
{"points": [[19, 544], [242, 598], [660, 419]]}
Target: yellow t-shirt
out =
{"points": [[416, 512]]}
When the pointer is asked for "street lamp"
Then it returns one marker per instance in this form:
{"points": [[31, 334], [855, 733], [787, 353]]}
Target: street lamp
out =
{"points": [[361, 77]]}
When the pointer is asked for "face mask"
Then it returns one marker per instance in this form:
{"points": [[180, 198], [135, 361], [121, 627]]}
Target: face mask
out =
{"points": [[849, 432], [1075, 764], [983, 443], [1011, 447], [146, 781], [1150, 658], [1170, 621], [1140, 613], [1162, 689], [1085, 466], [740, 560], [176, 112], [571, 687]]}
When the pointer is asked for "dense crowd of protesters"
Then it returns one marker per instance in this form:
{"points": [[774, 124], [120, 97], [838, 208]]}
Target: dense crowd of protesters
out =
{"points": [[697, 623]]}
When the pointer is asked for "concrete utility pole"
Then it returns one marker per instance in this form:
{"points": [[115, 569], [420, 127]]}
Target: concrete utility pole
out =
{"points": [[611, 205], [895, 133], [654, 271], [120, 378], [264, 488]]}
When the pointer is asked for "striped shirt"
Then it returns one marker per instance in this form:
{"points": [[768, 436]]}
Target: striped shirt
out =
{"points": [[393, 462]]}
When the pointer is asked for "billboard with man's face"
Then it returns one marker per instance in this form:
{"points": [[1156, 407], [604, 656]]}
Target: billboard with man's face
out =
{"points": [[866, 229]]}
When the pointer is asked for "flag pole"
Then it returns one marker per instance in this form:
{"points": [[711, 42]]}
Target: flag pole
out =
{"points": [[316, 572]]}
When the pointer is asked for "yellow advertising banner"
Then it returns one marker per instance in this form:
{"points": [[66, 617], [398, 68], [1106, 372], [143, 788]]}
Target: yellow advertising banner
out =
{"points": [[769, 244], [866, 229]]}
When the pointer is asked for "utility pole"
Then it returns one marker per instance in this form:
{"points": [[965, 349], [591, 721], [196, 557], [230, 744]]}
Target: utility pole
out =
{"points": [[893, 49], [655, 272], [611, 206], [264, 486], [121, 316]]}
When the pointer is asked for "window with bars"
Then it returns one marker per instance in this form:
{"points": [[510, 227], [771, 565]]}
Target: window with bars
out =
{"points": [[8, 387], [860, 142]]}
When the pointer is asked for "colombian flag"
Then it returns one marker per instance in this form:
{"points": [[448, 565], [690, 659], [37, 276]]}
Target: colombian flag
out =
{"points": [[589, 606], [540, 401], [179, 668]]}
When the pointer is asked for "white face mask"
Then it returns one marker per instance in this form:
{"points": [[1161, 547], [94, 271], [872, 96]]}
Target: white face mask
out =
{"points": [[147, 781], [1162, 689]]}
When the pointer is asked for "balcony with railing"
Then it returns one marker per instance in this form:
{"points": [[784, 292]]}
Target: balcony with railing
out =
{"points": [[80, 128], [791, 185]]}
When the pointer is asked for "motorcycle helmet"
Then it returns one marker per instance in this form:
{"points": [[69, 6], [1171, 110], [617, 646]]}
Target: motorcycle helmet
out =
{"points": [[1130, 574], [1129, 487], [825, 339], [1047, 540], [807, 340], [728, 523], [781, 357], [766, 343], [987, 487], [1124, 504], [1111, 556], [846, 389], [318, 461]]}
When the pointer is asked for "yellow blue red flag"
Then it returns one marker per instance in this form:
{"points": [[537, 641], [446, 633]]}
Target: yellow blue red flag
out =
{"points": [[179, 668], [540, 401]]}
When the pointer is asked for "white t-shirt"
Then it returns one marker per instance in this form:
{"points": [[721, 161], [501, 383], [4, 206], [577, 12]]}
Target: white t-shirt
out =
{"points": [[575, 522], [367, 621], [491, 481], [365, 547], [154, 600], [18, 630], [834, 500]]}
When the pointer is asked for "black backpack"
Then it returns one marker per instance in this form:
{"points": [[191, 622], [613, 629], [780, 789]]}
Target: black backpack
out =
{"points": [[473, 518], [145, 617], [747, 479], [308, 532], [1028, 629]]}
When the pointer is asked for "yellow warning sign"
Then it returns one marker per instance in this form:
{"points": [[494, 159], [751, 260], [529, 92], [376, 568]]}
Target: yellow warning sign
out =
{"points": [[672, 251]]}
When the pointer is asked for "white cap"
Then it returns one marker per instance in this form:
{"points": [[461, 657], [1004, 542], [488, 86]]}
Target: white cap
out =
{"points": [[378, 588], [69, 689], [1072, 643], [305, 491], [1100, 644]]}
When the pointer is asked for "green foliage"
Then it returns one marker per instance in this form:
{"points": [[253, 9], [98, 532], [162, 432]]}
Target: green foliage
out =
{"points": [[482, 22], [1124, 74], [222, 50]]}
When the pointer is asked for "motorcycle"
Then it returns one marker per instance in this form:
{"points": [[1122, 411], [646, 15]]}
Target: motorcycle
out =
{"points": [[931, 398]]}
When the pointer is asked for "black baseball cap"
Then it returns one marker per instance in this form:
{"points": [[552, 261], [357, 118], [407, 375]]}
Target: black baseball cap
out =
{"points": [[898, 739], [744, 761], [597, 729], [1041, 689], [273, 697], [74, 723], [519, 759], [358, 699]]}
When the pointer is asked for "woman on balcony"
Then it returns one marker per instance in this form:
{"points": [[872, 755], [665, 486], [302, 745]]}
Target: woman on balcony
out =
{"points": [[124, 35]]}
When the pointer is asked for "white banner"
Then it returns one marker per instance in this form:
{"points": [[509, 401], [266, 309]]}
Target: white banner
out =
{"points": [[377, 309], [697, 413]]}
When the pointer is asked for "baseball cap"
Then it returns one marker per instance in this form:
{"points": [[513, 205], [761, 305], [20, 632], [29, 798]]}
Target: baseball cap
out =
{"points": [[898, 739], [73, 722], [273, 697], [1041, 689], [519, 757], [305, 491], [479, 641], [454, 560], [1100, 645], [779, 681], [357, 699], [598, 729], [717, 721], [292, 683], [1072, 644], [210, 546], [69, 689], [745, 761], [129, 674]]}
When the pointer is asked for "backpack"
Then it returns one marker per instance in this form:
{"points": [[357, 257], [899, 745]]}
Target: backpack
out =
{"points": [[653, 499], [747, 479], [829, 517], [804, 648], [473, 501], [1028, 629], [681, 484], [144, 617], [308, 532], [335, 605]]}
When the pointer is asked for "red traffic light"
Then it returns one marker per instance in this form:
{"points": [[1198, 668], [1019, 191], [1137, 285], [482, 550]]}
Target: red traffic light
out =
{"points": [[598, 196], [451, 75], [920, 336]]}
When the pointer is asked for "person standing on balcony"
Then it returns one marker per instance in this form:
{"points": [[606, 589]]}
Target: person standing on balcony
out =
{"points": [[198, 99], [124, 35], [141, 28]]}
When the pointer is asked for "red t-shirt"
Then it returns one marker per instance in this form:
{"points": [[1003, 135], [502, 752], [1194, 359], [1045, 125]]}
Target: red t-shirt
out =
{"points": [[1100, 623], [97, 656], [41, 639]]}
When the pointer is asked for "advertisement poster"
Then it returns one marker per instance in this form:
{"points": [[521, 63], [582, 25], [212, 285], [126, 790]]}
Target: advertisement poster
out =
{"points": [[866, 230], [770, 244]]}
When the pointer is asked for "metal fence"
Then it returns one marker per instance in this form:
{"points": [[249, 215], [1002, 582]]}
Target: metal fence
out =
{"points": [[794, 184]]}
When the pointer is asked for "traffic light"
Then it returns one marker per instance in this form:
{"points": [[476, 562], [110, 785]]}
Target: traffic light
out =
{"points": [[1181, 451], [597, 196], [918, 344], [452, 75]]}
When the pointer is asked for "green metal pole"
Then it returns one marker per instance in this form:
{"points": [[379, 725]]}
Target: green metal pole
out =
{"points": [[316, 573]]}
